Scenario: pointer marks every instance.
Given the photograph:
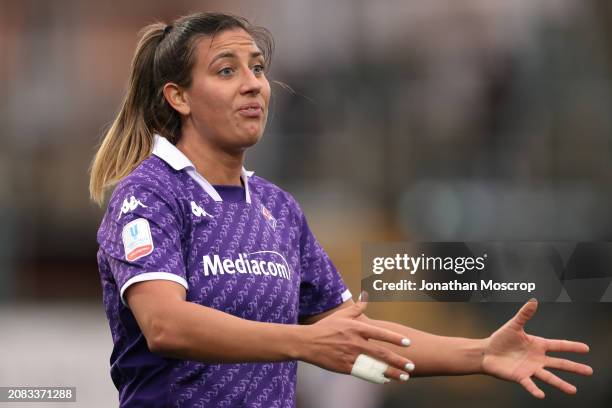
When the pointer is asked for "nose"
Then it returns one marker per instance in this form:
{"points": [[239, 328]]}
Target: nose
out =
{"points": [[251, 84]]}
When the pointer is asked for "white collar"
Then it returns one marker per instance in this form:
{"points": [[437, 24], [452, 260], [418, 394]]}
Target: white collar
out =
{"points": [[169, 153]]}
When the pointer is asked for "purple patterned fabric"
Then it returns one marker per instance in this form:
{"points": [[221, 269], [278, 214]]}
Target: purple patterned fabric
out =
{"points": [[247, 252]]}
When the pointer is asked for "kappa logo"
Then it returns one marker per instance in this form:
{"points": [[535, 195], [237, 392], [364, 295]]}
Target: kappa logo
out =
{"points": [[130, 205], [199, 211], [268, 216]]}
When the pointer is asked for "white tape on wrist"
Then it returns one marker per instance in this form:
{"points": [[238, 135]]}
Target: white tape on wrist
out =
{"points": [[370, 369]]}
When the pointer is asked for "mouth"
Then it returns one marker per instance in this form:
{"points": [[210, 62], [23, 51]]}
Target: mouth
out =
{"points": [[251, 110]]}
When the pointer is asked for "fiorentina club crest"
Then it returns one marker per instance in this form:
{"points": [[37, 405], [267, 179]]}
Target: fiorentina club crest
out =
{"points": [[268, 216]]}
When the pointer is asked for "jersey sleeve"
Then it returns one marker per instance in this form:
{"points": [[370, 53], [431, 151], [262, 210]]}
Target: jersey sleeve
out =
{"points": [[321, 286], [141, 237]]}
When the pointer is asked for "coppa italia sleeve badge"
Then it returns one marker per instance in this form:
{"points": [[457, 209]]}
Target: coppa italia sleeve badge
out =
{"points": [[137, 240]]}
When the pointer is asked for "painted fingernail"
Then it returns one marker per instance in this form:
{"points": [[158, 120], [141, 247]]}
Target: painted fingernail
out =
{"points": [[405, 342], [404, 377], [409, 367]]}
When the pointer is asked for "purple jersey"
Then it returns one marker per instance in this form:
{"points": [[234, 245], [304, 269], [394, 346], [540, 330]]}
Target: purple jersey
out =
{"points": [[245, 251]]}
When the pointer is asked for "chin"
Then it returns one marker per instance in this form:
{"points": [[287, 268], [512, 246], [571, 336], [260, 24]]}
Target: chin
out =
{"points": [[250, 137], [244, 141], [249, 143]]}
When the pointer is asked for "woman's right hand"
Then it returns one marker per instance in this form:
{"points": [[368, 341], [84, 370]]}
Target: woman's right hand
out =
{"points": [[335, 341]]}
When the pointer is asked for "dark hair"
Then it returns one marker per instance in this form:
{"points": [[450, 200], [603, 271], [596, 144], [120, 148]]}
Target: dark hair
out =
{"points": [[174, 59], [165, 53]]}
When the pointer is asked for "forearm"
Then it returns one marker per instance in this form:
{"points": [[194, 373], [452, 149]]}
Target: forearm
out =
{"points": [[194, 332], [436, 355]]}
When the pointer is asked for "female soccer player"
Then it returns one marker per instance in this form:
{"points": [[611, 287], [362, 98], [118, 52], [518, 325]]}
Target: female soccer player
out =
{"points": [[213, 284]]}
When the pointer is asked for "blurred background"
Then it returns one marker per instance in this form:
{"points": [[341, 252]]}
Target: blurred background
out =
{"points": [[431, 120]]}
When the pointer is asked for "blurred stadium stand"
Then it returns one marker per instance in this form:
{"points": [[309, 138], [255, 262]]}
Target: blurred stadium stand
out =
{"points": [[432, 120]]}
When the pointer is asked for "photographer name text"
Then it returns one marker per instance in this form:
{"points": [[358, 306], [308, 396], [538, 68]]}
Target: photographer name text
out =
{"points": [[454, 285]]}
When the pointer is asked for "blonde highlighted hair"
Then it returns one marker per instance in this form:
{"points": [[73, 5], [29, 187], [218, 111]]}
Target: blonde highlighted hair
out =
{"points": [[165, 53]]}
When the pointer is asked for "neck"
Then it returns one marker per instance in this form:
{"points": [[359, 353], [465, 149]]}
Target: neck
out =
{"points": [[218, 166]]}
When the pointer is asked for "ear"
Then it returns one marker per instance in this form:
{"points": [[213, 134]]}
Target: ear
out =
{"points": [[177, 98]]}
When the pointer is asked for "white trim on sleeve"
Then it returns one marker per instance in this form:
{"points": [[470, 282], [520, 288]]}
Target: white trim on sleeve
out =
{"points": [[152, 276], [346, 295]]}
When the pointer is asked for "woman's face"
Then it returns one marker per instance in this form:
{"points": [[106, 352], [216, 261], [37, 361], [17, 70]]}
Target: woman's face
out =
{"points": [[229, 93]]}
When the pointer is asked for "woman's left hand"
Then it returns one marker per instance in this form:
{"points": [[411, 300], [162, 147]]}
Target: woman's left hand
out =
{"points": [[513, 355]]}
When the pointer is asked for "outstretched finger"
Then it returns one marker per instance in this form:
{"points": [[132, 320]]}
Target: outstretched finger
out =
{"points": [[363, 297], [395, 374], [378, 333], [568, 365], [555, 381], [387, 356], [533, 389], [566, 346], [525, 313], [356, 309]]}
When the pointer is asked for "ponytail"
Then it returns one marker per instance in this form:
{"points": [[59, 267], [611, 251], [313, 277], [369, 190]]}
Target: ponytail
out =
{"points": [[165, 53], [130, 137]]}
